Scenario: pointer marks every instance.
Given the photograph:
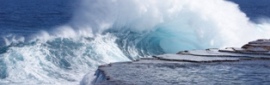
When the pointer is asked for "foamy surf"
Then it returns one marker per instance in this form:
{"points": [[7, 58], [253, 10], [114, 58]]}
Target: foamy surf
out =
{"points": [[121, 30]]}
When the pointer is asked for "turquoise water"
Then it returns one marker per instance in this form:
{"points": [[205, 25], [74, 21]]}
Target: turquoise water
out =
{"points": [[63, 41]]}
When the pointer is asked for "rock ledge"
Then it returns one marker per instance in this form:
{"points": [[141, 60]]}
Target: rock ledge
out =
{"points": [[249, 64]]}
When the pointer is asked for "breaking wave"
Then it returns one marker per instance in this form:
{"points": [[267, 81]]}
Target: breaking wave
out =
{"points": [[105, 31]]}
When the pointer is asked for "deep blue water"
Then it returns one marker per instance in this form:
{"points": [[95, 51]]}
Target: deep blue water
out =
{"points": [[254, 8], [24, 16], [69, 59]]}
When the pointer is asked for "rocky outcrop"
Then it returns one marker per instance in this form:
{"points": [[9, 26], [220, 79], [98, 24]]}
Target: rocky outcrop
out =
{"points": [[261, 45], [247, 65]]}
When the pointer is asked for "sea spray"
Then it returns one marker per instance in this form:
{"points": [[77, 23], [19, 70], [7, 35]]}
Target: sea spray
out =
{"points": [[104, 31]]}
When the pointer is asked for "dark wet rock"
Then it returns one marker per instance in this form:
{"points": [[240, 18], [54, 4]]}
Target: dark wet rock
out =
{"points": [[245, 65], [260, 45]]}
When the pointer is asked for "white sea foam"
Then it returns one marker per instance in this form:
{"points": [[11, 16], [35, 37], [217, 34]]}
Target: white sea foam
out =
{"points": [[210, 23], [104, 31]]}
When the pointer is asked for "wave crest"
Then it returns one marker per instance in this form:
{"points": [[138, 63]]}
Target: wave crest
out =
{"points": [[104, 31]]}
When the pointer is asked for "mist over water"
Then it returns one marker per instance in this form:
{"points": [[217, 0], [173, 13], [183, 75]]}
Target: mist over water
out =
{"points": [[191, 23], [105, 31]]}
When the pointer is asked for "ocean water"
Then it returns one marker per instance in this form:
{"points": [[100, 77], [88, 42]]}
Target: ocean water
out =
{"points": [[62, 42]]}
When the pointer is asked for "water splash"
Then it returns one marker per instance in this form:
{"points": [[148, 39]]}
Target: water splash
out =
{"points": [[104, 31]]}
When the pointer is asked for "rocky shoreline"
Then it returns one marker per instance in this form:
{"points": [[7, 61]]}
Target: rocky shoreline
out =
{"points": [[247, 65]]}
